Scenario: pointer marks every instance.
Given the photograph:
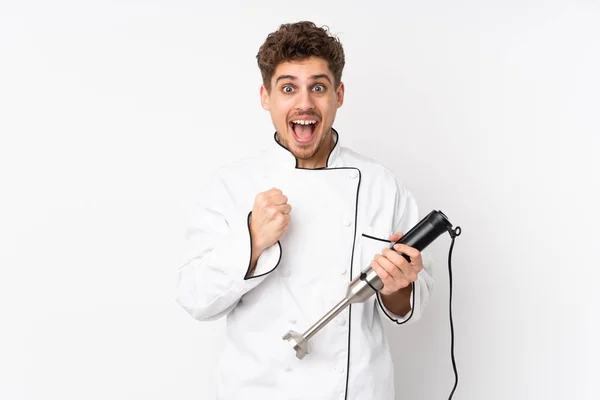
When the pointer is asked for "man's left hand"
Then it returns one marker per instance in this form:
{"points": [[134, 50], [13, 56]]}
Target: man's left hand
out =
{"points": [[395, 272]]}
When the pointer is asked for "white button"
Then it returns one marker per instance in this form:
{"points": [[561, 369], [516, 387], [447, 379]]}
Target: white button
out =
{"points": [[285, 272], [293, 321], [343, 272], [340, 370], [342, 321], [353, 174], [347, 223], [287, 369]]}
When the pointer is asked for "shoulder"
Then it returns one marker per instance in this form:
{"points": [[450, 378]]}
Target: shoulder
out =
{"points": [[241, 168], [372, 171], [232, 185], [352, 157]]}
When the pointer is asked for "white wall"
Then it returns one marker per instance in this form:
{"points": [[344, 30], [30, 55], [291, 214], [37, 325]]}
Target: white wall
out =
{"points": [[112, 114]]}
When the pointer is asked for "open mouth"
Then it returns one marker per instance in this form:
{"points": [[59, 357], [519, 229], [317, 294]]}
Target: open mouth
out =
{"points": [[304, 130]]}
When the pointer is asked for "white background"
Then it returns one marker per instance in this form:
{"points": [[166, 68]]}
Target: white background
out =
{"points": [[113, 113]]}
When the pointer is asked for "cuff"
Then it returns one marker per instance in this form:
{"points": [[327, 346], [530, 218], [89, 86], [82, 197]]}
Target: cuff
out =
{"points": [[240, 254]]}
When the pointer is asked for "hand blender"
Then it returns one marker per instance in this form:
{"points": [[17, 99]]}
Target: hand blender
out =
{"points": [[368, 282]]}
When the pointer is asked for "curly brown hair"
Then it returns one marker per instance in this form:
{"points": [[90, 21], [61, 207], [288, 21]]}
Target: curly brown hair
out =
{"points": [[298, 41]]}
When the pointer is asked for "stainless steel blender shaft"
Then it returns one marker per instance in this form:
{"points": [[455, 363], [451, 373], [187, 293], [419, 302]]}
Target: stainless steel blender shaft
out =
{"points": [[360, 289]]}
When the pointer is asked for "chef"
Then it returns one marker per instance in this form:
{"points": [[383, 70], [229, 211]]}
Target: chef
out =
{"points": [[277, 237]]}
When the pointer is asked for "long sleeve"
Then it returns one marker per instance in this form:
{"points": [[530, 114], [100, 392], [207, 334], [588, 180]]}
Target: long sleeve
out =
{"points": [[212, 277], [407, 216]]}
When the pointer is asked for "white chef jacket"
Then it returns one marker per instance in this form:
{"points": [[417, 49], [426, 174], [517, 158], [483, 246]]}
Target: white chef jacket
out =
{"points": [[342, 215]]}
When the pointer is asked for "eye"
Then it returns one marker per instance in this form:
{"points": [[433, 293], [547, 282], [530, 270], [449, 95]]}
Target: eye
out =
{"points": [[287, 89], [319, 88]]}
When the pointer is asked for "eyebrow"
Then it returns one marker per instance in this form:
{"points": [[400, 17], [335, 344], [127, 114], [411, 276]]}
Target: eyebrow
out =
{"points": [[292, 77]]}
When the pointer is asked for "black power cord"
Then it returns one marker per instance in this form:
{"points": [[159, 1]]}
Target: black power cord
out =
{"points": [[453, 234]]}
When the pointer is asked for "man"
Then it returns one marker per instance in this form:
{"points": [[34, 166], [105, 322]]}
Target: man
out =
{"points": [[277, 238]]}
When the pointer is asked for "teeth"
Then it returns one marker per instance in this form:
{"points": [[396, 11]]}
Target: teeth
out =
{"points": [[302, 122]]}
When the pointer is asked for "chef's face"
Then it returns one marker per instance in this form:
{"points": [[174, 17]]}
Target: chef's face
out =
{"points": [[303, 101]]}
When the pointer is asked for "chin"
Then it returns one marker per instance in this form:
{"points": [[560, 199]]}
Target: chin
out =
{"points": [[303, 153]]}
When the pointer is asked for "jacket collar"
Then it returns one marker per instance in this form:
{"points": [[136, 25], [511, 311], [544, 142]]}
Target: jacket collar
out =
{"points": [[284, 156]]}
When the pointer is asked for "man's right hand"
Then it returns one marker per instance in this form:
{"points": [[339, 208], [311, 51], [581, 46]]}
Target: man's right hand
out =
{"points": [[269, 220]]}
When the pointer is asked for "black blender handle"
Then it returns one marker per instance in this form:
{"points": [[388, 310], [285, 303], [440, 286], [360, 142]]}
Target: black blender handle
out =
{"points": [[425, 232]]}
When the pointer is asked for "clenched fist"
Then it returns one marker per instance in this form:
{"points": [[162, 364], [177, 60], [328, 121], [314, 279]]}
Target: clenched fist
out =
{"points": [[269, 220]]}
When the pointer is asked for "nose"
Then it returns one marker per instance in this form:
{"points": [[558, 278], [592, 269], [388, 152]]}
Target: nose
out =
{"points": [[305, 100]]}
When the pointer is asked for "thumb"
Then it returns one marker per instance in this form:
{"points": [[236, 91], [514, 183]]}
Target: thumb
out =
{"points": [[396, 236]]}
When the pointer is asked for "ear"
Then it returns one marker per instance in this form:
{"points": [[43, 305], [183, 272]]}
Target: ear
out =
{"points": [[264, 97], [340, 94]]}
